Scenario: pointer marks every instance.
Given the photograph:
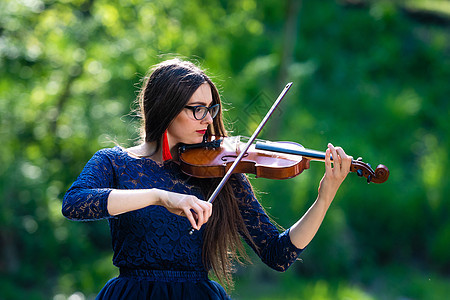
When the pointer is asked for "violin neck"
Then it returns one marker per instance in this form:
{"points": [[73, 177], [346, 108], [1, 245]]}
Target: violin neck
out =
{"points": [[293, 149], [361, 168]]}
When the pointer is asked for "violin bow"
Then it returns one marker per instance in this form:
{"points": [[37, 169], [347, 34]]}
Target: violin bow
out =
{"points": [[247, 146]]}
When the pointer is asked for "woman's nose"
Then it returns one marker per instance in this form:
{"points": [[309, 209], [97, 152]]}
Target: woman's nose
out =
{"points": [[207, 119]]}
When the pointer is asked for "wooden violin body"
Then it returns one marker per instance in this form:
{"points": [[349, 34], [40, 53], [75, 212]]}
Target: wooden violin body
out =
{"points": [[273, 160], [208, 162]]}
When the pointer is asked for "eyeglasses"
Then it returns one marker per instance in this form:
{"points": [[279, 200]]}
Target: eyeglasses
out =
{"points": [[200, 111]]}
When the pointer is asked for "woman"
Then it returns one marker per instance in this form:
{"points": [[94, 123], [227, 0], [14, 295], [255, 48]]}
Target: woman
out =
{"points": [[151, 205]]}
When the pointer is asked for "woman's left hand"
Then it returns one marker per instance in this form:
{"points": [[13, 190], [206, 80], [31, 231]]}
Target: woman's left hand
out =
{"points": [[334, 175]]}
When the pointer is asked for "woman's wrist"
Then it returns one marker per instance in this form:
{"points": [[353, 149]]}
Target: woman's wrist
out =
{"points": [[323, 202], [157, 196]]}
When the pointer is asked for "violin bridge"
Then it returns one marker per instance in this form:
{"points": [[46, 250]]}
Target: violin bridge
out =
{"points": [[237, 144]]}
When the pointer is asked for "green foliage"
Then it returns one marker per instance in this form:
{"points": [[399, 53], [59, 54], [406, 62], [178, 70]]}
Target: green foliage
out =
{"points": [[372, 78]]}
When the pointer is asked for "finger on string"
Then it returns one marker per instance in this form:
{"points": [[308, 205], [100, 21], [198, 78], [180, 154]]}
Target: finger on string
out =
{"points": [[345, 159], [348, 162], [336, 164], [338, 152], [328, 160]]}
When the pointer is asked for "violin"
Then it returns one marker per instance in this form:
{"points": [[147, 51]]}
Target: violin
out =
{"points": [[266, 159]]}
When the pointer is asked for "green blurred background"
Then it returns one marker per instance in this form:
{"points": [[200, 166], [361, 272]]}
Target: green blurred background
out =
{"points": [[370, 76]]}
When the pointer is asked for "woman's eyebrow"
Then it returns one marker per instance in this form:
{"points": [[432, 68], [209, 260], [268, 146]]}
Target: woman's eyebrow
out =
{"points": [[199, 102]]}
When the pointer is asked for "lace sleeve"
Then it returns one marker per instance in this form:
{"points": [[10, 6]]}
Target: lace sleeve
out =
{"points": [[274, 248], [87, 198]]}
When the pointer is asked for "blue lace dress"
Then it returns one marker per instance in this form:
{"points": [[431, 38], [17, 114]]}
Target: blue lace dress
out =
{"points": [[153, 250]]}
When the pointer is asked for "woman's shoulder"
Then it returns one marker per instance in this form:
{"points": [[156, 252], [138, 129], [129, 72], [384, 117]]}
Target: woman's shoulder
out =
{"points": [[134, 152], [119, 155], [105, 156], [116, 157], [110, 152]]}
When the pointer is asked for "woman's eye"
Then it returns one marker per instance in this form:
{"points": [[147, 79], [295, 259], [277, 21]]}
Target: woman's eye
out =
{"points": [[200, 110]]}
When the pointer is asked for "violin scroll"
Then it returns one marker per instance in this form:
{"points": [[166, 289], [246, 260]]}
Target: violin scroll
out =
{"points": [[363, 169]]}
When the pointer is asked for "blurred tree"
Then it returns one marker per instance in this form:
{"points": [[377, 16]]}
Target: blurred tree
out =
{"points": [[371, 76]]}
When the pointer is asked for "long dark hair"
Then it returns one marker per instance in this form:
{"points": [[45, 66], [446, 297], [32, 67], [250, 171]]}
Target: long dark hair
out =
{"points": [[166, 90]]}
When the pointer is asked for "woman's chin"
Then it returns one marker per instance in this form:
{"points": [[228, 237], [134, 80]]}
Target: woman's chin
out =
{"points": [[196, 140]]}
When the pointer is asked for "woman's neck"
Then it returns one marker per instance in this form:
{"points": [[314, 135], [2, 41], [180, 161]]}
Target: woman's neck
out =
{"points": [[146, 149]]}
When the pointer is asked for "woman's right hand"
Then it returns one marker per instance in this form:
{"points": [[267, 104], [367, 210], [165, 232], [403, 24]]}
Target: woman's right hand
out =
{"points": [[197, 211]]}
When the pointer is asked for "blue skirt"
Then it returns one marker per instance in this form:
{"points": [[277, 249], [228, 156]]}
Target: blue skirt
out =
{"points": [[162, 284]]}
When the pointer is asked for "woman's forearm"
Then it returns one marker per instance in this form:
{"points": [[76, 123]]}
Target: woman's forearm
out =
{"points": [[304, 230], [189, 206], [122, 201]]}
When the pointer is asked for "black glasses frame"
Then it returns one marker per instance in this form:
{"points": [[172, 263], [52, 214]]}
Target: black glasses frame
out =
{"points": [[213, 110]]}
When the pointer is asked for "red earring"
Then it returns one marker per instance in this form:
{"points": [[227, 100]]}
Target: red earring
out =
{"points": [[165, 147]]}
